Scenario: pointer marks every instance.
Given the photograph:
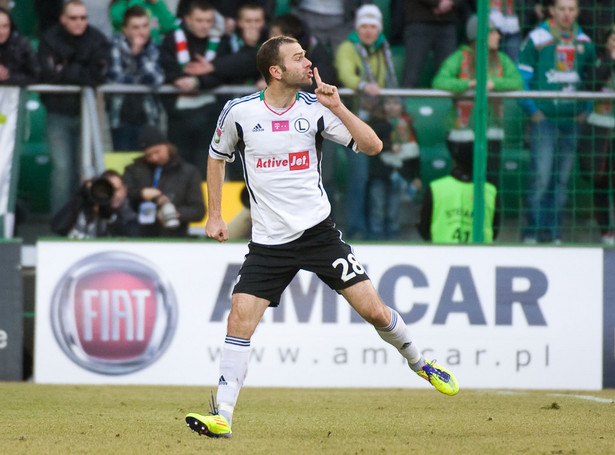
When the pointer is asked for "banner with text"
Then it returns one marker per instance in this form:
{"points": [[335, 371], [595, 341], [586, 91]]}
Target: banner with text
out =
{"points": [[155, 313]]}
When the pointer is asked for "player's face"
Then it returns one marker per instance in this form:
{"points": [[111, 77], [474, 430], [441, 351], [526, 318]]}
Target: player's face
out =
{"points": [[564, 13], [200, 22], [75, 19], [137, 27], [296, 68], [5, 28], [368, 33], [157, 155]]}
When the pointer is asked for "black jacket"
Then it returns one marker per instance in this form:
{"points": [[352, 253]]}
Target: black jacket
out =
{"points": [[179, 181], [17, 55], [173, 70], [79, 219], [67, 59]]}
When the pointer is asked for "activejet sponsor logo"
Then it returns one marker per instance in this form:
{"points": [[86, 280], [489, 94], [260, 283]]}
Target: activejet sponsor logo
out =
{"points": [[293, 162], [113, 313]]}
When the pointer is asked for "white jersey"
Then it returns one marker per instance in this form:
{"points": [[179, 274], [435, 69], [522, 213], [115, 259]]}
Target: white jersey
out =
{"points": [[281, 158]]}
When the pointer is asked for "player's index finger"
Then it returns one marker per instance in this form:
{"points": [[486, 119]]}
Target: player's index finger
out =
{"points": [[317, 77]]}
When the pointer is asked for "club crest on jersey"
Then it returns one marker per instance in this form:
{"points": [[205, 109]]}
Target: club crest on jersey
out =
{"points": [[279, 125], [302, 125], [293, 162]]}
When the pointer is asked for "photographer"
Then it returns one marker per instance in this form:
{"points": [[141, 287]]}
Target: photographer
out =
{"points": [[163, 189], [99, 209]]}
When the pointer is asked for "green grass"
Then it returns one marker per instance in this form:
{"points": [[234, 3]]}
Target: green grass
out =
{"points": [[51, 419]]}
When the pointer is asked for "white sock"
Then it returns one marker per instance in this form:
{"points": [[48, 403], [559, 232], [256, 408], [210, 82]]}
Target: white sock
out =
{"points": [[233, 370], [397, 334]]}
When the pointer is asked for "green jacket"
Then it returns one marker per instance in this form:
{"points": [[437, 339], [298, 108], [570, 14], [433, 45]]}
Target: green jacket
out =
{"points": [[349, 66], [453, 210], [549, 63], [161, 19], [452, 77]]}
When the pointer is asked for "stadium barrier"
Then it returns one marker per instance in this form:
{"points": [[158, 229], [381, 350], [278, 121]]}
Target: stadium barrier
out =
{"points": [[11, 311], [155, 313]]}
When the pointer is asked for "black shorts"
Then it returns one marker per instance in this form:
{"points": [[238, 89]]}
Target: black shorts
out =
{"points": [[269, 269]]}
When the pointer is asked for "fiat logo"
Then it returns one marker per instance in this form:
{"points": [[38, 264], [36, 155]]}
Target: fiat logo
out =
{"points": [[113, 313]]}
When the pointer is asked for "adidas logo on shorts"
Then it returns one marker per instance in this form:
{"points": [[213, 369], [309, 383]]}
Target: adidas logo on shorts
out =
{"points": [[257, 128]]}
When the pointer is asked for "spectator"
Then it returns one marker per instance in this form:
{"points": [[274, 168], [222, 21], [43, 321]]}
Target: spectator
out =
{"points": [[458, 74], [99, 209], [18, 62], [330, 21], [238, 67], [429, 26], [186, 57], [447, 213], [394, 172], [503, 16], [71, 52], [556, 56], [134, 60], [597, 140], [364, 63], [162, 188], [162, 20], [229, 10]]}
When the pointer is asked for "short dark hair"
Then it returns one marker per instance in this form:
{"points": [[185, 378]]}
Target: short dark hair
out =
{"points": [[249, 5], [133, 11], [269, 54], [72, 2], [289, 24], [203, 5], [110, 173]]}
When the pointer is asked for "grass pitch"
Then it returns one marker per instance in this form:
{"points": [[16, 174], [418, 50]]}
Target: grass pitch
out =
{"points": [[52, 419]]}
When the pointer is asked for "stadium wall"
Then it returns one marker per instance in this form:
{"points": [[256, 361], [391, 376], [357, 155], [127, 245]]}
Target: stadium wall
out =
{"points": [[155, 313]]}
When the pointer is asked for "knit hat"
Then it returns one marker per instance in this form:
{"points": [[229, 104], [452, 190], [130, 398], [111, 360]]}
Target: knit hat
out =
{"points": [[369, 14], [472, 28], [149, 136]]}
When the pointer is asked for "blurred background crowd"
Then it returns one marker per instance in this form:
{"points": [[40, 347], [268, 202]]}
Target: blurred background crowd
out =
{"points": [[549, 167]]}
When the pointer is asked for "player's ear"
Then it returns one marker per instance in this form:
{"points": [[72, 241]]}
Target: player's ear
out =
{"points": [[276, 72]]}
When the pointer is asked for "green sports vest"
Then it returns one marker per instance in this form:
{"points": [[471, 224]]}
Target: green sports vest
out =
{"points": [[453, 205]]}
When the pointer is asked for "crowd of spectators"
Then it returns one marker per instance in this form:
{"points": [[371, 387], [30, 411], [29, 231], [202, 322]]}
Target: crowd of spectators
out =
{"points": [[197, 45]]}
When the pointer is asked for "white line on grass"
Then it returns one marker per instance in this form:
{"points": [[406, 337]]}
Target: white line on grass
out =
{"points": [[582, 397]]}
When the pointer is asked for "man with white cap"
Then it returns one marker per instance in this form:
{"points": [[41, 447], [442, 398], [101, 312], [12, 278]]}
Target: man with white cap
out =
{"points": [[364, 63]]}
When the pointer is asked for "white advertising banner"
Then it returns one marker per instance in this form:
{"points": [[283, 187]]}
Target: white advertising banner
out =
{"points": [[155, 313], [9, 103]]}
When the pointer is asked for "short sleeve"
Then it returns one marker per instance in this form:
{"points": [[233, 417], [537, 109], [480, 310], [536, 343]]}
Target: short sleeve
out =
{"points": [[336, 131], [225, 138]]}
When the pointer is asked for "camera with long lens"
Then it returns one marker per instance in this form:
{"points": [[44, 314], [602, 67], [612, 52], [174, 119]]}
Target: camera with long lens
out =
{"points": [[100, 193]]}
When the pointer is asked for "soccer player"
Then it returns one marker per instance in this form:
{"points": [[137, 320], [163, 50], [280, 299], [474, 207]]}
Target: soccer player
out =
{"points": [[277, 134]]}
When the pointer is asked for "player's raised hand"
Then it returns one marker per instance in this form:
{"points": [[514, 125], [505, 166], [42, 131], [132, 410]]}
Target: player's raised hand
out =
{"points": [[326, 93]]}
